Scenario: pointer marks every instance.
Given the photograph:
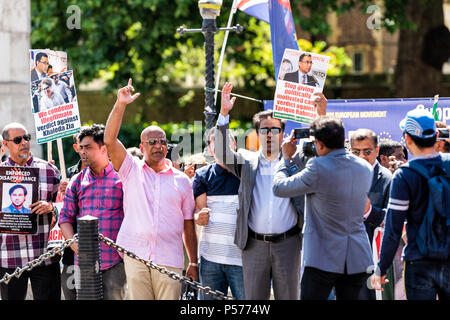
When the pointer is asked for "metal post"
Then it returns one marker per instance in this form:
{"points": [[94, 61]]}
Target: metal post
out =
{"points": [[209, 29], [90, 276], [209, 10]]}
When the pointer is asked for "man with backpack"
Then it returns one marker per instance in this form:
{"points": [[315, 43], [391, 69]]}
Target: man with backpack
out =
{"points": [[420, 194]]}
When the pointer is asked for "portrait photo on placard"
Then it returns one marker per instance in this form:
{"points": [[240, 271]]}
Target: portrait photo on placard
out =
{"points": [[17, 198]]}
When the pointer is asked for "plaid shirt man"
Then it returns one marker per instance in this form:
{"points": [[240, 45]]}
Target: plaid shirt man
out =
{"points": [[17, 250], [100, 196]]}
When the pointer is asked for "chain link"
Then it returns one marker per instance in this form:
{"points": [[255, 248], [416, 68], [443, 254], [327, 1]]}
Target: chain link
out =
{"points": [[173, 275], [36, 262], [67, 243]]}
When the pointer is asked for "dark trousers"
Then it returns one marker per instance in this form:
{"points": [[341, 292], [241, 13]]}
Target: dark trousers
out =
{"points": [[317, 284], [365, 293], [68, 282], [45, 284], [426, 279]]}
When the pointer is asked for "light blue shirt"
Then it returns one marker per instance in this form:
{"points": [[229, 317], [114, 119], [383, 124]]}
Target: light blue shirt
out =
{"points": [[269, 214], [12, 209]]}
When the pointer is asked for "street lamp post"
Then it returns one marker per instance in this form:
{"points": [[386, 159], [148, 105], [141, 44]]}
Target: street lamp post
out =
{"points": [[209, 10]]}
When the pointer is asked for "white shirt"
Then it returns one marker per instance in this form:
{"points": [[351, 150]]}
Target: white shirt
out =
{"points": [[48, 103], [268, 214]]}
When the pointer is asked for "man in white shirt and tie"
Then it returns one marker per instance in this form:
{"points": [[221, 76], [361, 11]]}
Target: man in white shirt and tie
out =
{"points": [[301, 75]]}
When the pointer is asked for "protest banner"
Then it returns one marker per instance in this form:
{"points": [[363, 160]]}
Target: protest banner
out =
{"points": [[301, 75], [57, 114], [380, 115], [19, 188], [56, 239], [53, 99]]}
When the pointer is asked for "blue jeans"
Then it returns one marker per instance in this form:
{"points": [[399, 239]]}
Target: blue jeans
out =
{"points": [[426, 279], [219, 277]]}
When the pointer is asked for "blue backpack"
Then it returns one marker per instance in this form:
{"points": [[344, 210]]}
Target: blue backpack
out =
{"points": [[433, 237]]}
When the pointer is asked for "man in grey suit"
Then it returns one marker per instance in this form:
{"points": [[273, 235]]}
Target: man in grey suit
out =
{"points": [[267, 227], [40, 70], [364, 144], [336, 249]]}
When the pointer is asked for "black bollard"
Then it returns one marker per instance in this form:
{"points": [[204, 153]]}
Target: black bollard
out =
{"points": [[89, 276]]}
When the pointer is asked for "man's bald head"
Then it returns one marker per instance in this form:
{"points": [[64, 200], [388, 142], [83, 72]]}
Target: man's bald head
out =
{"points": [[8, 127], [152, 132]]}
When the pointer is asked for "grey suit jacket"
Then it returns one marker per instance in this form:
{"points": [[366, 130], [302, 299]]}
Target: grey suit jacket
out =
{"points": [[34, 75], [379, 198], [336, 188], [244, 164]]}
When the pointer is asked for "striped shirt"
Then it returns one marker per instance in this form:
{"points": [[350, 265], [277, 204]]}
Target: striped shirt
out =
{"points": [[17, 250], [217, 237], [100, 196], [408, 201]]}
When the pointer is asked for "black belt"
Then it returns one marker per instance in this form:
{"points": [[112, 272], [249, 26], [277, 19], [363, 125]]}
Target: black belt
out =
{"points": [[272, 238]]}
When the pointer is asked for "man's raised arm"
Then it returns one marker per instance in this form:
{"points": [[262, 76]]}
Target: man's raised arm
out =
{"points": [[116, 150]]}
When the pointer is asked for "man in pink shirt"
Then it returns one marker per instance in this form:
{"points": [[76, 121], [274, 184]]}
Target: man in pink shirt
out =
{"points": [[158, 207]]}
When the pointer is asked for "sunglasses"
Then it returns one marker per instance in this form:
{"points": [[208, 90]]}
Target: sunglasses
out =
{"points": [[273, 130], [366, 152], [153, 141], [18, 140]]}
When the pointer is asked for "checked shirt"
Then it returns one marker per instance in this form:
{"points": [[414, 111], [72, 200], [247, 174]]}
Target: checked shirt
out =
{"points": [[17, 250], [99, 196]]}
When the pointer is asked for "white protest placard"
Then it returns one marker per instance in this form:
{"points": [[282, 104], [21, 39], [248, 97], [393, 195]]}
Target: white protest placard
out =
{"points": [[301, 75], [53, 96]]}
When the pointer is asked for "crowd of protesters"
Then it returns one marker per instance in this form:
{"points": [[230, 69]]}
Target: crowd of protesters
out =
{"points": [[256, 223]]}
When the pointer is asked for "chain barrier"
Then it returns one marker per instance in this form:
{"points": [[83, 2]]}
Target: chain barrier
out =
{"points": [[36, 262], [173, 275], [67, 243]]}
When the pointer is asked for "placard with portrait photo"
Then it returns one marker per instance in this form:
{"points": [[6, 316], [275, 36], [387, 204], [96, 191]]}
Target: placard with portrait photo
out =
{"points": [[301, 75], [19, 188]]}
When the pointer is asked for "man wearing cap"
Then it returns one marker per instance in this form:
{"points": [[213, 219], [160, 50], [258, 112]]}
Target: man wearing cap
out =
{"points": [[18, 195], [424, 278]]}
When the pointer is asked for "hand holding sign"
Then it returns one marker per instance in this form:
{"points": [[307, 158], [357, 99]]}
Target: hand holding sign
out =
{"points": [[124, 94], [289, 146], [41, 207], [320, 102]]}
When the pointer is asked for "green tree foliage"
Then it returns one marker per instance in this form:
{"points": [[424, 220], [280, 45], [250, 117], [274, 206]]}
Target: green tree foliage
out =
{"points": [[118, 39], [124, 38]]}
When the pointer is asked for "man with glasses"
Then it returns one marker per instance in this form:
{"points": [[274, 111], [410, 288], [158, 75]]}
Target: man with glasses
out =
{"points": [[158, 207], [364, 144], [17, 250], [301, 75], [41, 68], [268, 228], [50, 97]]}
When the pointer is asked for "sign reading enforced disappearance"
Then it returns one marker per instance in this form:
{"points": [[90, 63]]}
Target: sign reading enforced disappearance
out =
{"points": [[18, 190]]}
